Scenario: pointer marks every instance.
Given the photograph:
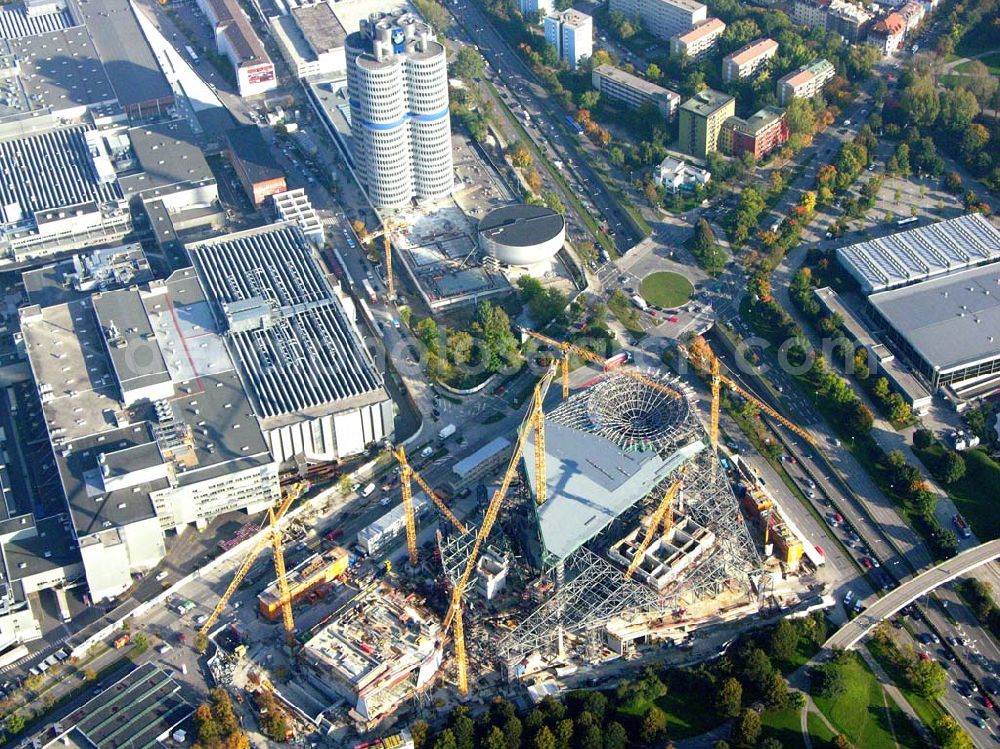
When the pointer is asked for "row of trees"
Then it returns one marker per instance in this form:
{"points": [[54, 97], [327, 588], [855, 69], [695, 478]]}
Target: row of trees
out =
{"points": [[216, 724]]}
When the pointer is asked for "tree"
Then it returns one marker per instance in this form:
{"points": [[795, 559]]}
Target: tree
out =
{"points": [[468, 64], [208, 729], [420, 732], [615, 736], [707, 252], [747, 728], [958, 108], [553, 202], [534, 181], [497, 342], [858, 419], [520, 156], [949, 735], [653, 725], [590, 99], [784, 640], [952, 467], [770, 743], [729, 698], [464, 728], [928, 678], [840, 741], [544, 739], [201, 643], [564, 734], [428, 334], [775, 692], [14, 723], [494, 739], [920, 101], [446, 740], [460, 345], [653, 72], [829, 681]]}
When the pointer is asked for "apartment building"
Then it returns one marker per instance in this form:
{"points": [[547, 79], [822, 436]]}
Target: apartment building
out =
{"points": [[759, 135], [887, 33], [572, 34], [699, 41], [805, 82], [850, 20], [528, 7], [634, 91], [663, 18], [701, 121], [747, 60], [811, 13]]}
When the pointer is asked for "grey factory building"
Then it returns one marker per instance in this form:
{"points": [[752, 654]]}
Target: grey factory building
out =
{"points": [[60, 191], [313, 385], [57, 72], [149, 424], [948, 327], [140, 86]]}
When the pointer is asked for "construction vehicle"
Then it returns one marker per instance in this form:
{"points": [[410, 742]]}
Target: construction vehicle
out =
{"points": [[587, 355], [718, 379], [269, 532], [533, 420], [407, 474]]}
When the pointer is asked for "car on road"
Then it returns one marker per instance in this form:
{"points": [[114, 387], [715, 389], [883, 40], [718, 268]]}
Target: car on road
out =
{"points": [[987, 702], [922, 655], [866, 563]]}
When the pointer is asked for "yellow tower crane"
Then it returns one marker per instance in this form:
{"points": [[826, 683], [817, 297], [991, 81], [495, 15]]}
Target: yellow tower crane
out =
{"points": [[720, 379], [453, 619], [570, 348], [407, 474], [662, 514], [272, 536]]}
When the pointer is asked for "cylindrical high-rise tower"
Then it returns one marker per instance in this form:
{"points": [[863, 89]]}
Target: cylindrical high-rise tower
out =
{"points": [[397, 80]]}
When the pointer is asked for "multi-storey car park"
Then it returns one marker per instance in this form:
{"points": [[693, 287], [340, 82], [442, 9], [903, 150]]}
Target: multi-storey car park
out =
{"points": [[313, 385], [148, 421]]}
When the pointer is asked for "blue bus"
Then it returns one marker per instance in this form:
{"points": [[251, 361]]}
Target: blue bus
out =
{"points": [[574, 125]]}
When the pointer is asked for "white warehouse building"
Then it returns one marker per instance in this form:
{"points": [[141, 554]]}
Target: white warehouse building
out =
{"points": [[397, 81]]}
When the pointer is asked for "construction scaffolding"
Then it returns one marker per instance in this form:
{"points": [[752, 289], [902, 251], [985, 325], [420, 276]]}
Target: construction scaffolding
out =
{"points": [[651, 437]]}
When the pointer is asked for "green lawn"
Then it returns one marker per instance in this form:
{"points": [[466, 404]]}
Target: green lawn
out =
{"points": [[686, 717], [626, 313], [927, 710], [990, 61], [977, 494], [785, 726], [860, 713], [666, 289]]}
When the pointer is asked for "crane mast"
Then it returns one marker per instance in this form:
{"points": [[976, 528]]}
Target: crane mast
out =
{"points": [[272, 536], [453, 618], [407, 475]]}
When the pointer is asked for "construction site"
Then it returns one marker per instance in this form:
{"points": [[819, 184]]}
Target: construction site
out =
{"points": [[615, 525]]}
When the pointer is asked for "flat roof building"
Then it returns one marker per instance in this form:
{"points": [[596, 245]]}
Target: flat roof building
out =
{"points": [[236, 39], [101, 269], [149, 424], [746, 61], [17, 20], [139, 710], [908, 257], [60, 191], [701, 120], [663, 18], [805, 82], [948, 327], [571, 33], [255, 165], [675, 175], [140, 86], [311, 38], [634, 91], [312, 382], [56, 72], [759, 135], [699, 41], [294, 205], [848, 19]]}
